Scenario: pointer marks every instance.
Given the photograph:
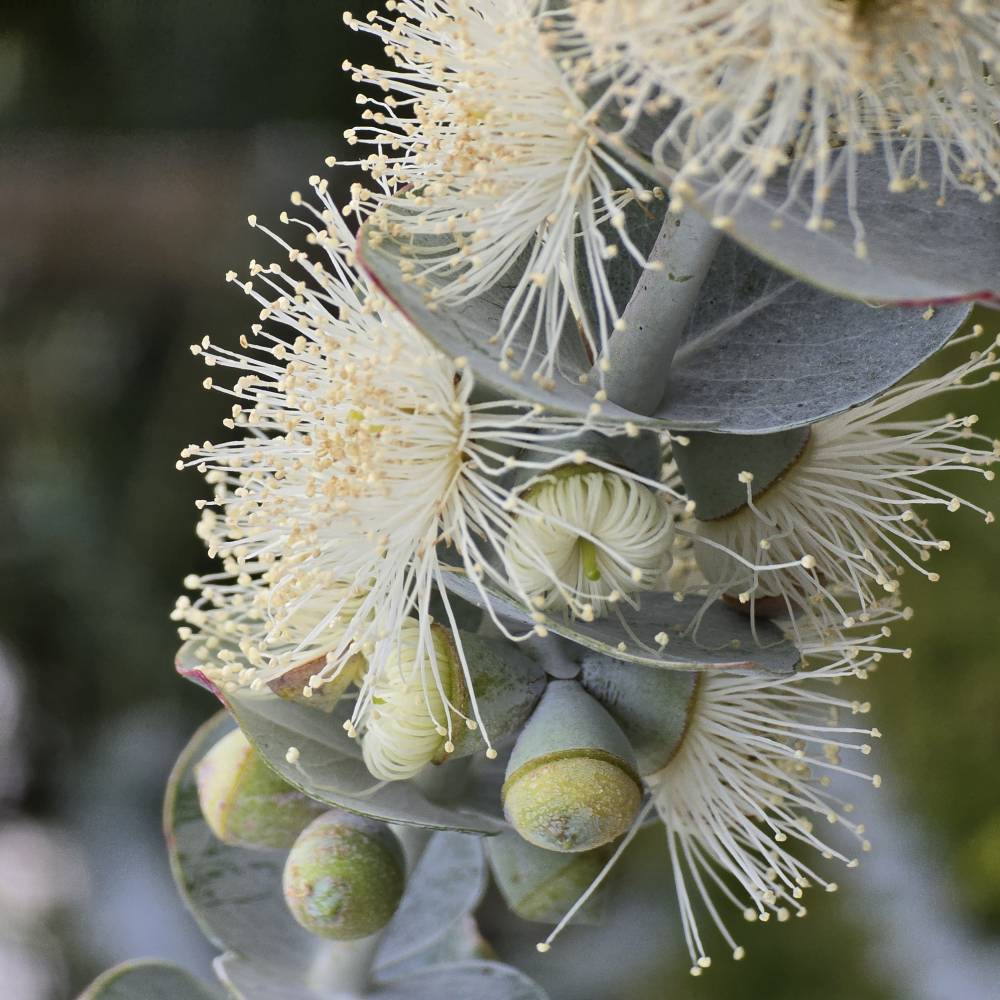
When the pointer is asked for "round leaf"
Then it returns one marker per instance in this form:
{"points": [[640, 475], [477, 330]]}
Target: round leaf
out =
{"points": [[699, 638], [235, 894], [148, 980], [760, 352], [445, 887], [325, 772]]}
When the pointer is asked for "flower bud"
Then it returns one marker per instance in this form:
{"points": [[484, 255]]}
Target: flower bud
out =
{"points": [[542, 885], [344, 876], [244, 802], [571, 783], [407, 725]]}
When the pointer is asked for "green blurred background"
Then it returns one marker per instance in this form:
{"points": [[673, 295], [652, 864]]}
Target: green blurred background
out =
{"points": [[136, 138]]}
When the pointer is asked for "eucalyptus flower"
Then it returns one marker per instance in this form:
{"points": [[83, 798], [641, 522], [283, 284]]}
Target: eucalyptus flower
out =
{"points": [[404, 723], [608, 536], [364, 471], [746, 88], [846, 517], [750, 778], [745, 792], [495, 162]]}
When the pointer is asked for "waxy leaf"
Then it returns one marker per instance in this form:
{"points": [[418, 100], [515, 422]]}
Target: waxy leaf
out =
{"points": [[652, 707], [445, 887], [472, 979], [918, 251], [699, 637], [760, 351], [148, 980], [325, 772], [248, 980]]}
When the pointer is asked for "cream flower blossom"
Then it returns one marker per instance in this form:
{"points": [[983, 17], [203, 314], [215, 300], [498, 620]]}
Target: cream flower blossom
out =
{"points": [[847, 517], [497, 169], [608, 536], [756, 86], [746, 796], [364, 472]]}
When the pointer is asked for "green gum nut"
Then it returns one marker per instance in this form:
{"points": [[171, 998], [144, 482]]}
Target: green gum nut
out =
{"points": [[344, 876], [542, 885], [572, 783], [244, 802]]}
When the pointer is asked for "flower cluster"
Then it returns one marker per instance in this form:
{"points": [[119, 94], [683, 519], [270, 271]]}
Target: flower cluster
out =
{"points": [[374, 485], [367, 473]]}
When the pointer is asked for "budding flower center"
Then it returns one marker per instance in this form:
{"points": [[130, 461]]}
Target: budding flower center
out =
{"points": [[408, 722], [588, 538]]}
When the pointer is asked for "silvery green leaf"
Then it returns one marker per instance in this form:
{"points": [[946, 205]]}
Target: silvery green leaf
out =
{"points": [[765, 353], [246, 980], [700, 638], [650, 706], [470, 979], [325, 772], [507, 686], [445, 887], [234, 894], [760, 352], [148, 980], [459, 943], [540, 885], [465, 331], [917, 250], [710, 466]]}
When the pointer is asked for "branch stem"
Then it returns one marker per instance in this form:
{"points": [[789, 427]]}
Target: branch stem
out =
{"points": [[640, 355]]}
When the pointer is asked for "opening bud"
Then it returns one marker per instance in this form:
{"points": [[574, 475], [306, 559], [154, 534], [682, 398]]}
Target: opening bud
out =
{"points": [[412, 704], [571, 783], [588, 534], [410, 725], [244, 802], [344, 876]]}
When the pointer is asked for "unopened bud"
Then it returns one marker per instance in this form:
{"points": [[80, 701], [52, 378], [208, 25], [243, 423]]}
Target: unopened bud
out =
{"points": [[344, 876], [571, 782], [244, 802]]}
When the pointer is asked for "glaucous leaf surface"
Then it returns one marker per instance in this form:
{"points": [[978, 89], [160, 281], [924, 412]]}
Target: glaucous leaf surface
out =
{"points": [[326, 772], [760, 352], [650, 706], [473, 979], [446, 885], [918, 251], [235, 894], [720, 640], [246, 980], [148, 980]]}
